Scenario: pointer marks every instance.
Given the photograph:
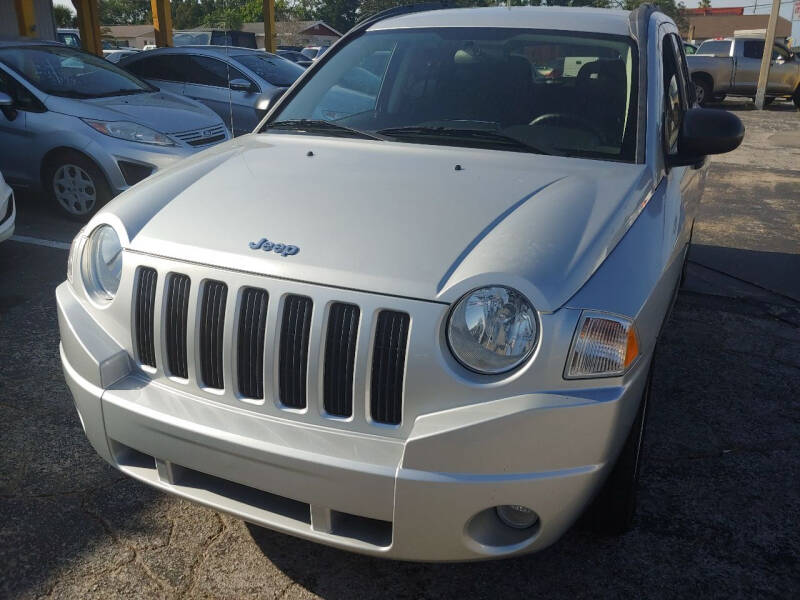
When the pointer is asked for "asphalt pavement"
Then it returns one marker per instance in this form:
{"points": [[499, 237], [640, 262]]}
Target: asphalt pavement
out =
{"points": [[719, 499]]}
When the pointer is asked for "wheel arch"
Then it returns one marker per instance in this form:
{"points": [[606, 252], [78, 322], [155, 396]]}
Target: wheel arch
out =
{"points": [[53, 153], [703, 76]]}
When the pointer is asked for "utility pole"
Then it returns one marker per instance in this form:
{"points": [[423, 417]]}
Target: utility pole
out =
{"points": [[769, 40], [269, 25]]}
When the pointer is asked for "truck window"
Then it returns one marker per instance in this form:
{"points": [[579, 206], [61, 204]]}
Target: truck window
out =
{"points": [[753, 49], [716, 47]]}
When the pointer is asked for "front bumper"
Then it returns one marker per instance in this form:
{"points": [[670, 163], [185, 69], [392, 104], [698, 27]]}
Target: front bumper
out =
{"points": [[428, 496]]}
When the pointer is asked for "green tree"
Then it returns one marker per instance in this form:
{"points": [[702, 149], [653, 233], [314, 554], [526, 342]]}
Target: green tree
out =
{"points": [[125, 12], [704, 4], [673, 8], [63, 16]]}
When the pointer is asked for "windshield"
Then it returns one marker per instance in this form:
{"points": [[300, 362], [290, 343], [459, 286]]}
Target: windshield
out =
{"points": [[201, 38], [549, 92], [70, 73], [718, 48], [273, 69]]}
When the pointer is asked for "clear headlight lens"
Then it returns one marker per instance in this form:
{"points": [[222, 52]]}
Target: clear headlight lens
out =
{"points": [[101, 266], [133, 132], [74, 249], [492, 330], [603, 346]]}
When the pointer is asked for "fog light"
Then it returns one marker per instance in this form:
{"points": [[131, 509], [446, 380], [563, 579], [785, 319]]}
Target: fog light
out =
{"points": [[516, 516]]}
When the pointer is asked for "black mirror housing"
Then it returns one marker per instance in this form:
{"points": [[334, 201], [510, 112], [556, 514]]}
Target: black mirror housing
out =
{"points": [[240, 85], [706, 131]]}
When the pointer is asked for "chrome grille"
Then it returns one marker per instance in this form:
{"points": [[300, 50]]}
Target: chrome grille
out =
{"points": [[247, 342], [202, 137]]}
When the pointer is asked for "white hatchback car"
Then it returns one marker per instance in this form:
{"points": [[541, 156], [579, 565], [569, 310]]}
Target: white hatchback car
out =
{"points": [[421, 324]]}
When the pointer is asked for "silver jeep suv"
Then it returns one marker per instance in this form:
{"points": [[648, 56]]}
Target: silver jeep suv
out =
{"points": [[415, 315]]}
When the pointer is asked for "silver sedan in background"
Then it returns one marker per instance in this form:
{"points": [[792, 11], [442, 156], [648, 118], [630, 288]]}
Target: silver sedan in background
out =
{"points": [[236, 83], [84, 130]]}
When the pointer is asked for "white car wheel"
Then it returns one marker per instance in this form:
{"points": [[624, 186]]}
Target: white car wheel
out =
{"points": [[75, 190]]}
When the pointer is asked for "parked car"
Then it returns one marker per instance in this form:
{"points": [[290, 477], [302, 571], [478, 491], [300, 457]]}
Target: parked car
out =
{"points": [[8, 210], [314, 52], [82, 130], [731, 66], [424, 330], [114, 56], [69, 37], [215, 37], [236, 83], [296, 57]]}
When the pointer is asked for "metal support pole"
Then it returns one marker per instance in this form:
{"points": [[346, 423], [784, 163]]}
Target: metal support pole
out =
{"points": [[162, 22], [766, 60], [26, 17], [269, 25], [89, 25]]}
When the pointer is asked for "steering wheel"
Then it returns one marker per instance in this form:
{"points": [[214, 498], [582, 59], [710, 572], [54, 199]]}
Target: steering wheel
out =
{"points": [[567, 118]]}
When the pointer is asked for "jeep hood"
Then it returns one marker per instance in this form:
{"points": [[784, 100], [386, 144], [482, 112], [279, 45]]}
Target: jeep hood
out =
{"points": [[420, 221]]}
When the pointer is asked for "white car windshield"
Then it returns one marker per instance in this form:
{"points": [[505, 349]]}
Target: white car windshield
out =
{"points": [[551, 92], [69, 73]]}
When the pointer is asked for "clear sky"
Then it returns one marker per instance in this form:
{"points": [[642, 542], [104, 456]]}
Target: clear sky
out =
{"points": [[751, 7]]}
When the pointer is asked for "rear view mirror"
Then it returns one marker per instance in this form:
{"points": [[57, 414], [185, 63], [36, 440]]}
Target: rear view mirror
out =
{"points": [[7, 106], [240, 85], [5, 100], [706, 131]]}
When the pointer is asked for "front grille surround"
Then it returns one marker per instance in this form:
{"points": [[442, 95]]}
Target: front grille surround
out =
{"points": [[356, 415]]}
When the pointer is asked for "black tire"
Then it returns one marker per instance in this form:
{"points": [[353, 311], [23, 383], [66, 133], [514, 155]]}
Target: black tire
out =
{"points": [[702, 91], [769, 100], [614, 508], [796, 98], [75, 185], [720, 98]]}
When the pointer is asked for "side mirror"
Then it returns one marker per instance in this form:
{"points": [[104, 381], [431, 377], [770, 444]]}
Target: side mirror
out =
{"points": [[706, 131], [240, 85], [7, 106], [5, 100]]}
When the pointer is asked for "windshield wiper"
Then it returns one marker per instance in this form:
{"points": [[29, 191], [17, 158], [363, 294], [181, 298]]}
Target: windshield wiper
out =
{"points": [[125, 92], [477, 135], [321, 126]]}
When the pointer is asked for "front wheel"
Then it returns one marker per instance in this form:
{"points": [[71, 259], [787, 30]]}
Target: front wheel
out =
{"points": [[613, 509], [76, 185]]}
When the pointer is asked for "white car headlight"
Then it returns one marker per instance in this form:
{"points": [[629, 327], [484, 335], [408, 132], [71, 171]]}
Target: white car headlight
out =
{"points": [[101, 264], [603, 346], [133, 132], [492, 330]]}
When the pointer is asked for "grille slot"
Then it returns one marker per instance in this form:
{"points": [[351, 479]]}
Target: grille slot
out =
{"points": [[340, 353], [177, 312], [250, 357], [144, 313], [212, 322], [293, 355], [388, 367]]}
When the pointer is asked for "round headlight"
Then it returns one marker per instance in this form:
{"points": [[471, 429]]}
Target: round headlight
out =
{"points": [[492, 330], [102, 263]]}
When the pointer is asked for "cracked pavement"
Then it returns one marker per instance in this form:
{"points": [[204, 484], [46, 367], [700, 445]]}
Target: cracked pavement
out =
{"points": [[719, 492]]}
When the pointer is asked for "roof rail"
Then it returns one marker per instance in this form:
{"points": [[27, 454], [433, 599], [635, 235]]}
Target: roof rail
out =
{"points": [[397, 11]]}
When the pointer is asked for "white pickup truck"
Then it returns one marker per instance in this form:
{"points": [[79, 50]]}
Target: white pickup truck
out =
{"points": [[730, 66]]}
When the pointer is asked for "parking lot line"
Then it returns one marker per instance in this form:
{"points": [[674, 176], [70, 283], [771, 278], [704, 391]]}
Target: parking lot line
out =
{"points": [[24, 239]]}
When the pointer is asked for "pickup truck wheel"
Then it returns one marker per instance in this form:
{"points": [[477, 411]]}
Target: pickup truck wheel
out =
{"points": [[613, 509], [796, 98], [769, 100], [702, 91]]}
